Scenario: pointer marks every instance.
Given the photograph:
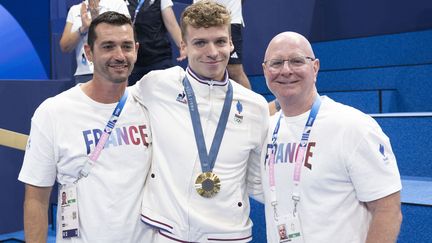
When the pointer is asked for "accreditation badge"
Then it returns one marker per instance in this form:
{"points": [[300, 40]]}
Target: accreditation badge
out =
{"points": [[207, 184], [289, 229], [69, 211]]}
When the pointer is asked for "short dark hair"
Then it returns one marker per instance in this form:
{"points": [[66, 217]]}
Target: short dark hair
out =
{"points": [[110, 17]]}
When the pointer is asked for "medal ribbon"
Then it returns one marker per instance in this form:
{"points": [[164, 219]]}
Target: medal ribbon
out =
{"points": [[207, 159], [94, 155], [299, 155]]}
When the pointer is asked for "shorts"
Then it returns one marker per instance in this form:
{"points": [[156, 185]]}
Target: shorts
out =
{"points": [[237, 39]]}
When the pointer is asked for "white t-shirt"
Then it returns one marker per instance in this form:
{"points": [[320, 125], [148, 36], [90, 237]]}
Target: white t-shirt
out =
{"points": [[64, 130], [84, 66], [166, 3], [170, 200], [349, 161]]}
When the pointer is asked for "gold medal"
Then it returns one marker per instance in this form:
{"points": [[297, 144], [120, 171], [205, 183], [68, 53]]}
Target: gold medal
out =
{"points": [[207, 184]]}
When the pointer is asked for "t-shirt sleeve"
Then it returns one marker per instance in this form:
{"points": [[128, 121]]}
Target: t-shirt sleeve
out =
{"points": [[373, 167], [166, 3], [122, 8], [70, 17], [39, 165]]}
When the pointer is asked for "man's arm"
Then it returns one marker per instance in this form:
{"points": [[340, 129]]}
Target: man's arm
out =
{"points": [[253, 177], [254, 182], [69, 39], [386, 219], [36, 204], [173, 28]]}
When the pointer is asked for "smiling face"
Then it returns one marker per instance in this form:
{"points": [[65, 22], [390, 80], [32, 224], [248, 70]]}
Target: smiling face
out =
{"points": [[114, 52], [291, 84], [282, 232], [206, 38], [208, 50]]}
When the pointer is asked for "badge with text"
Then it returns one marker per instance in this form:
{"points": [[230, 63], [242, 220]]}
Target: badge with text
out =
{"points": [[207, 184], [289, 229], [69, 211]]}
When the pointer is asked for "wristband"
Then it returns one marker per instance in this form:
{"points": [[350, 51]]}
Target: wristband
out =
{"points": [[81, 33]]}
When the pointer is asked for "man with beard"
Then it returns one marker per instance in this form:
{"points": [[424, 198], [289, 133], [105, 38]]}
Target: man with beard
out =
{"points": [[94, 139]]}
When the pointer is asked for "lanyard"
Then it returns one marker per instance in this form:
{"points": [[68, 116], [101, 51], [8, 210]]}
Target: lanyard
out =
{"points": [[94, 155], [140, 4], [207, 160], [298, 158]]}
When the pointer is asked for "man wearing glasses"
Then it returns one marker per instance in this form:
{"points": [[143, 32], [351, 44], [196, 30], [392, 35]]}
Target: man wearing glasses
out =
{"points": [[328, 171]]}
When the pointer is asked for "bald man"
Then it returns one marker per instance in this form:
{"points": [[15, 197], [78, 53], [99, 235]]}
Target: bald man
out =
{"points": [[328, 170]]}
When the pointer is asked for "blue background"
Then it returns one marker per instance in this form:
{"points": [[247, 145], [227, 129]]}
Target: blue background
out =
{"points": [[375, 56]]}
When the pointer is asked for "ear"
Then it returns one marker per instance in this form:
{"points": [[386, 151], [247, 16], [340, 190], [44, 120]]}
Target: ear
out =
{"points": [[316, 67], [136, 48], [88, 52], [263, 67], [231, 45], [183, 47], [265, 72]]}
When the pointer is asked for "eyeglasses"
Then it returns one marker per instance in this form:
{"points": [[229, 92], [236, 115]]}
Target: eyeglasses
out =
{"points": [[294, 62]]}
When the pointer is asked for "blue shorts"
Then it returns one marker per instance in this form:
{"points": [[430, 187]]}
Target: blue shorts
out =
{"points": [[237, 39]]}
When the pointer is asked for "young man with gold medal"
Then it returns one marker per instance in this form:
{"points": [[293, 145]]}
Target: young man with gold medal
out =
{"points": [[208, 133]]}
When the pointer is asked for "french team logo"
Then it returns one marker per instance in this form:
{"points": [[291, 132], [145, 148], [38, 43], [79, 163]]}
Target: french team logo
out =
{"points": [[382, 151], [181, 97], [238, 118]]}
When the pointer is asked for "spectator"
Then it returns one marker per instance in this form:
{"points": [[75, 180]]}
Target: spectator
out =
{"points": [[152, 21], [75, 31]]}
